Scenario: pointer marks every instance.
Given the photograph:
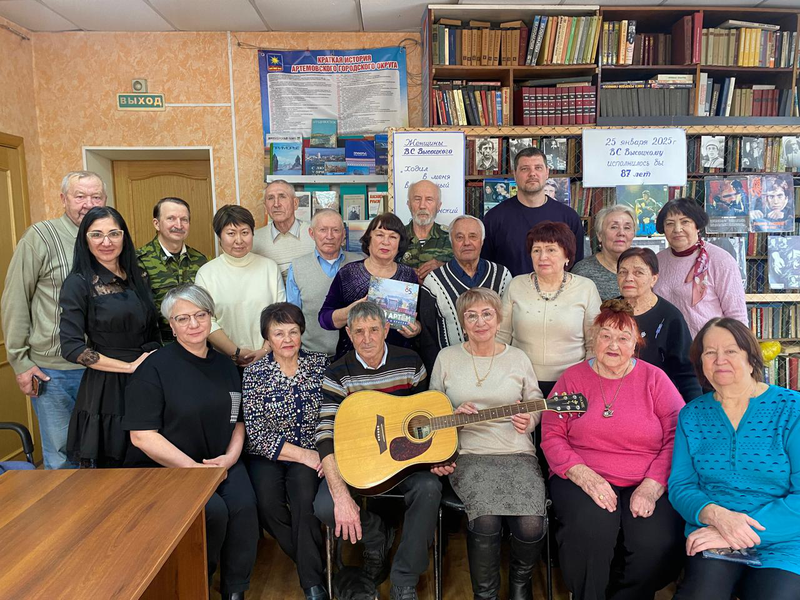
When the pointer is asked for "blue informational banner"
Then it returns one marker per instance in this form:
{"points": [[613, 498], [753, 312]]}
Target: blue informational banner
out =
{"points": [[364, 90]]}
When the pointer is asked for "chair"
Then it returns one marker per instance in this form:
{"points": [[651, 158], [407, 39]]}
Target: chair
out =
{"points": [[27, 447]]}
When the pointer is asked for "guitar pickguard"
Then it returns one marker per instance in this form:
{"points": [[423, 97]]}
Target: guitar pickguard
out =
{"points": [[380, 434], [402, 449]]}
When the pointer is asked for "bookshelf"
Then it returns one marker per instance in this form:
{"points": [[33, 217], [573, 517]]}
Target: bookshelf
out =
{"points": [[328, 179]]}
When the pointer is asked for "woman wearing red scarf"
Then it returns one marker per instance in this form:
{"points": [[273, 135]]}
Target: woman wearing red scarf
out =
{"points": [[702, 280]]}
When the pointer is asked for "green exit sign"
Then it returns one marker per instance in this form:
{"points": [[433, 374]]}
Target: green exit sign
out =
{"points": [[140, 101]]}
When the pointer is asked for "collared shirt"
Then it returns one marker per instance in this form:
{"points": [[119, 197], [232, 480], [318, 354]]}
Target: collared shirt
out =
{"points": [[462, 275], [437, 246], [329, 268], [293, 230], [166, 271], [383, 360], [169, 254]]}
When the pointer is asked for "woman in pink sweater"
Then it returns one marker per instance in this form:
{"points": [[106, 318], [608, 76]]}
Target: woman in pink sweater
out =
{"points": [[609, 468], [702, 280]]}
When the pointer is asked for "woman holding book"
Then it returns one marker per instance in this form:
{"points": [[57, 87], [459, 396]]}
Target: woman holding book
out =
{"points": [[498, 476], [549, 312], [702, 280], [615, 227], [736, 473], [609, 468], [384, 242], [663, 329]]}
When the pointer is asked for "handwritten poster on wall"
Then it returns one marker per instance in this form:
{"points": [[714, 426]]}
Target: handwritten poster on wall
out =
{"points": [[613, 157], [364, 90], [437, 156]]}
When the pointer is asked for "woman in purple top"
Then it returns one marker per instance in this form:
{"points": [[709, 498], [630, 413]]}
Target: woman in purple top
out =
{"points": [[384, 242]]}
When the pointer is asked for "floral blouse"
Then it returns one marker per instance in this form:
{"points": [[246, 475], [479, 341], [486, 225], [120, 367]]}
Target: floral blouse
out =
{"points": [[280, 409]]}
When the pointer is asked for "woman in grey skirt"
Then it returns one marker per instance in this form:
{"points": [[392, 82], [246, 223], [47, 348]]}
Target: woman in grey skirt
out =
{"points": [[498, 476]]}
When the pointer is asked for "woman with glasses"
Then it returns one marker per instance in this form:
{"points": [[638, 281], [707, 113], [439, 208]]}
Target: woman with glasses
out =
{"points": [[183, 410], [108, 325], [497, 475]]}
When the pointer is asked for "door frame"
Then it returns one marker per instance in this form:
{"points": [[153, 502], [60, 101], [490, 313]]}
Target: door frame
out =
{"points": [[112, 153]]}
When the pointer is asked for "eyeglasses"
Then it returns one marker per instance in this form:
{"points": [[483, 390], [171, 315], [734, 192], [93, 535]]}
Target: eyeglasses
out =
{"points": [[200, 316], [487, 316], [114, 235]]}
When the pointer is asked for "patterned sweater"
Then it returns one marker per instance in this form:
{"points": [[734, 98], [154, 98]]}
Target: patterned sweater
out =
{"points": [[402, 374], [754, 469]]}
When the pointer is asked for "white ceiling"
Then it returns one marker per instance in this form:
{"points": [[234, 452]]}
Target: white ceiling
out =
{"points": [[263, 15]]}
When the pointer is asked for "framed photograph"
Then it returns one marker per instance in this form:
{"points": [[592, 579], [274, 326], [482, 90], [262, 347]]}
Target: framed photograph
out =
{"points": [[556, 151], [646, 201], [727, 204], [784, 262], [353, 207], [514, 146], [790, 153], [752, 157], [772, 209], [713, 151], [487, 154]]}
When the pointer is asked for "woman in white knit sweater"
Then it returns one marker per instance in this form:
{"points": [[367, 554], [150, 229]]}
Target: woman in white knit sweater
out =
{"points": [[242, 284], [549, 313]]}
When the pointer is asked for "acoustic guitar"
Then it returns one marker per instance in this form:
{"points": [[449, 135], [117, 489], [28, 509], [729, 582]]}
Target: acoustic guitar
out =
{"points": [[377, 437]]}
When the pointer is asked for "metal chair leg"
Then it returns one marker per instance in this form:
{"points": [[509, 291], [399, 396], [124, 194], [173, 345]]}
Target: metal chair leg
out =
{"points": [[329, 559], [548, 562], [437, 556]]}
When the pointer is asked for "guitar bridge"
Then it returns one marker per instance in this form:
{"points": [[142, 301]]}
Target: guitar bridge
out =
{"points": [[380, 434]]}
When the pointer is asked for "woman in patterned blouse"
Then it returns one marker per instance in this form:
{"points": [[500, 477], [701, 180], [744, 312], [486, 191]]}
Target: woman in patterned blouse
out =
{"points": [[282, 394]]}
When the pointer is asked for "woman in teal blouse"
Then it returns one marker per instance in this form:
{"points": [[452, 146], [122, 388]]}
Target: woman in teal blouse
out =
{"points": [[736, 472]]}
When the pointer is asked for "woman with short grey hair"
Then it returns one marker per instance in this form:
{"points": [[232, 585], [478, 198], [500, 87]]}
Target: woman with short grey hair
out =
{"points": [[183, 409], [615, 227]]}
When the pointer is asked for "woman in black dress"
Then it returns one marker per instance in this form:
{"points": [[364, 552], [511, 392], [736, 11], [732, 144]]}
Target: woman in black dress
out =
{"points": [[109, 325]]}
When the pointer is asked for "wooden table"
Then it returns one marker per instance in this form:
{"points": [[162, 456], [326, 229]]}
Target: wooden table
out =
{"points": [[105, 534]]}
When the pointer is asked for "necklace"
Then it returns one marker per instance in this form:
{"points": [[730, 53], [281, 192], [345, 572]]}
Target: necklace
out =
{"points": [[546, 296], [608, 411], [480, 379]]}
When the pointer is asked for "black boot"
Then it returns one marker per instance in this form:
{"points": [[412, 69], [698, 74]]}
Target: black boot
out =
{"points": [[483, 552], [524, 556]]}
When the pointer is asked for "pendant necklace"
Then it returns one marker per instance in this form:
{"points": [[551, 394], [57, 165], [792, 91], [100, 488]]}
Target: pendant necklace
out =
{"points": [[548, 298], [478, 378], [608, 411]]}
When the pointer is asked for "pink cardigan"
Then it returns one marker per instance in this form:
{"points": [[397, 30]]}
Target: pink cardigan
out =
{"points": [[636, 442]]}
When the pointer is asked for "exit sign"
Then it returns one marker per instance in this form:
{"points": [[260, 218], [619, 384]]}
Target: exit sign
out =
{"points": [[140, 101]]}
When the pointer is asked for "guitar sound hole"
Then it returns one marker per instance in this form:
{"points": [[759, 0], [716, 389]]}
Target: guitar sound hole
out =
{"points": [[419, 427]]}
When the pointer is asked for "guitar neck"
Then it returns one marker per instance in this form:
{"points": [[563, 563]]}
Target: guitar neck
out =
{"points": [[488, 414]]}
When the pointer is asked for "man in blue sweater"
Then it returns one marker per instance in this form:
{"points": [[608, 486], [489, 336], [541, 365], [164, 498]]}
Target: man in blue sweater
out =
{"points": [[508, 223]]}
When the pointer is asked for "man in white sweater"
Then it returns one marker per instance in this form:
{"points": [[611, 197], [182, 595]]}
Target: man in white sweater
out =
{"points": [[286, 237]]}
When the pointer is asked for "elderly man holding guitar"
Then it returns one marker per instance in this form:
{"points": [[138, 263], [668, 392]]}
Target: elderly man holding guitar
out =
{"points": [[374, 365]]}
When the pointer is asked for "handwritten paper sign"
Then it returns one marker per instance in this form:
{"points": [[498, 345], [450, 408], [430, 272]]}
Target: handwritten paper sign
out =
{"points": [[437, 156], [614, 157]]}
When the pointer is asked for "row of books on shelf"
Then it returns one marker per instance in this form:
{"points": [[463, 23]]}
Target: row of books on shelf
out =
{"points": [[459, 102], [775, 320], [748, 47], [721, 98], [729, 154], [294, 155], [783, 371], [646, 98], [564, 104], [547, 40]]}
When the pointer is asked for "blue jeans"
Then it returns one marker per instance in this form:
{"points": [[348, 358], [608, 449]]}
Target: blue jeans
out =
{"points": [[54, 409]]}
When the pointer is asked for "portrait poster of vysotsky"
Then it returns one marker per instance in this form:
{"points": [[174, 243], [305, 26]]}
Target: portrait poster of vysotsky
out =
{"points": [[727, 204]]}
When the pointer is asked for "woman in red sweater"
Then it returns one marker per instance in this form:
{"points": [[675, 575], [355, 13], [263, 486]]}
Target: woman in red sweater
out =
{"points": [[618, 536]]}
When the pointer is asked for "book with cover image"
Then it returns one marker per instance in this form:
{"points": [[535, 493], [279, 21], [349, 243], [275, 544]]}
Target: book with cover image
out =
{"points": [[646, 201], [790, 156], [746, 556], [326, 199], [325, 161], [514, 146], [487, 155], [377, 203], [771, 203], [323, 133], [727, 204], [558, 189], [713, 151], [352, 207], [752, 158], [381, 154], [287, 158], [360, 157], [355, 231], [495, 191], [397, 298], [555, 149], [784, 262], [736, 246], [303, 211]]}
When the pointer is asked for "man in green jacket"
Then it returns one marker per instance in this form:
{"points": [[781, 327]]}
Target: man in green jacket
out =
{"points": [[30, 313], [167, 259], [429, 243]]}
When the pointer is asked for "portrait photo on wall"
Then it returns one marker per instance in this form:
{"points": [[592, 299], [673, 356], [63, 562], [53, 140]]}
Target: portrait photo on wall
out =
{"points": [[727, 204], [736, 246], [772, 208], [646, 201], [558, 189], [713, 151], [752, 154], [556, 151], [790, 153], [784, 262], [487, 154], [514, 146]]}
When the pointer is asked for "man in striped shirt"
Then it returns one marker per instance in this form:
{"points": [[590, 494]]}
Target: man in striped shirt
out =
{"points": [[30, 313], [374, 365]]}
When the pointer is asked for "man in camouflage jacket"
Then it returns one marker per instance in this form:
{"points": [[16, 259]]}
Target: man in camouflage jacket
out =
{"points": [[429, 243], [166, 258]]}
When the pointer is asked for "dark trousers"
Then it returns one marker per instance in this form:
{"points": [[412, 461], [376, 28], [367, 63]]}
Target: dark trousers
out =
{"points": [[614, 555], [710, 579], [285, 494], [232, 531], [422, 492]]}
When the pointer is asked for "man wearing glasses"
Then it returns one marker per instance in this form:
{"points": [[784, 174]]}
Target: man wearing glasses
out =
{"points": [[30, 313]]}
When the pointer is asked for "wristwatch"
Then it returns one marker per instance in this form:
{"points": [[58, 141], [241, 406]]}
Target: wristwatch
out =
{"points": [[235, 355]]}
